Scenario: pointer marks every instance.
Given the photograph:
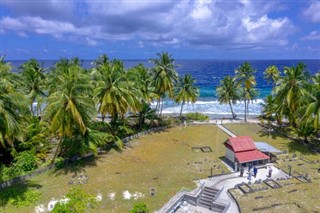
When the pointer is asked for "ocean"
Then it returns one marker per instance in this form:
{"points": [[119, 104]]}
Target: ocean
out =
{"points": [[208, 74]]}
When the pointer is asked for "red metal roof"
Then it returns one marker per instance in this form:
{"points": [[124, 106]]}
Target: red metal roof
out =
{"points": [[242, 143], [249, 156]]}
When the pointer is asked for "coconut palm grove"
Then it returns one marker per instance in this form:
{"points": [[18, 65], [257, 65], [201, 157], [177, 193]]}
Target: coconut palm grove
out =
{"points": [[52, 117]]}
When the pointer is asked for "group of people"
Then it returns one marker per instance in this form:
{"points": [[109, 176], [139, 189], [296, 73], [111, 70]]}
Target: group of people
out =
{"points": [[253, 171]]}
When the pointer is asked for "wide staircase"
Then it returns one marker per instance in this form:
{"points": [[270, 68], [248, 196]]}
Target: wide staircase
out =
{"points": [[207, 196]]}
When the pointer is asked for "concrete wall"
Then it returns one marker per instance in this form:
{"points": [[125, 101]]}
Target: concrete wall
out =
{"points": [[230, 155]]}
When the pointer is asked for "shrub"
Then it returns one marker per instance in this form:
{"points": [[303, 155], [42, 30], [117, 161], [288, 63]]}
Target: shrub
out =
{"points": [[20, 195], [23, 163], [79, 201], [59, 162], [196, 116], [140, 208]]}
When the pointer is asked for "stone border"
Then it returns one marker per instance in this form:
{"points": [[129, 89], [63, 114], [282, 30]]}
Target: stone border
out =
{"points": [[235, 200], [24, 177]]}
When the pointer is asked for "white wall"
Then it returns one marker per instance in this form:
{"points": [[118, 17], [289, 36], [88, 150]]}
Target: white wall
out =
{"points": [[230, 155]]}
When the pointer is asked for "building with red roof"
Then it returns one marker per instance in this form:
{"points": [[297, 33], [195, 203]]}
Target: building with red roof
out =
{"points": [[242, 151]]}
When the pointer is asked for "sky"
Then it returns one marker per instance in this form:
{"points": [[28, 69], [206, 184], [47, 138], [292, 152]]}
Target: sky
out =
{"points": [[138, 29]]}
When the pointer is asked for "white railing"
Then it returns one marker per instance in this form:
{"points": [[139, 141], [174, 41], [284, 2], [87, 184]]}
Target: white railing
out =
{"points": [[175, 201]]}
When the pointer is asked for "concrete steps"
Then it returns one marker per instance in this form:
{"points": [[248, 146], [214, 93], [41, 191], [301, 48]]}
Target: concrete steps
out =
{"points": [[207, 196]]}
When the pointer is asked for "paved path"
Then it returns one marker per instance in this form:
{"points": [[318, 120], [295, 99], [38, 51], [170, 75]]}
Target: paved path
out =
{"points": [[227, 131]]}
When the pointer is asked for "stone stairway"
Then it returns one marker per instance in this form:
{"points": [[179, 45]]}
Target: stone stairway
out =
{"points": [[207, 196]]}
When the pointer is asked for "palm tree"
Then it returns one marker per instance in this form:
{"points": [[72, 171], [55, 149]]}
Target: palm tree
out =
{"points": [[246, 78], [142, 79], [290, 88], [312, 108], [227, 93], [70, 107], [114, 92], [6, 76], [13, 109], [271, 110], [33, 78], [164, 76], [186, 91], [271, 74]]}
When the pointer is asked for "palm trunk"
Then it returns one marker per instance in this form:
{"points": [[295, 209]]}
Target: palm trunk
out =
{"points": [[31, 108], [141, 119], [248, 107], [57, 152], [161, 106], [181, 108], [157, 106], [40, 109], [114, 118], [232, 112], [245, 110]]}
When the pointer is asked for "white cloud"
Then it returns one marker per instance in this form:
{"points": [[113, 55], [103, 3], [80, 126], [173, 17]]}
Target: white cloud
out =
{"points": [[199, 23], [201, 10], [266, 30], [313, 12], [201, 13], [91, 42], [314, 35]]}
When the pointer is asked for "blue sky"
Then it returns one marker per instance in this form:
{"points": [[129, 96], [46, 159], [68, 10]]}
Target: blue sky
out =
{"points": [[138, 29]]}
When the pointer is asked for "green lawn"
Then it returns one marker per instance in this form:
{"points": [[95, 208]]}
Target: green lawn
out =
{"points": [[164, 161], [298, 197]]}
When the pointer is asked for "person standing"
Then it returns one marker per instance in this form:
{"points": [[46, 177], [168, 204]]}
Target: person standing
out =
{"points": [[249, 167], [255, 171], [241, 171], [270, 171]]}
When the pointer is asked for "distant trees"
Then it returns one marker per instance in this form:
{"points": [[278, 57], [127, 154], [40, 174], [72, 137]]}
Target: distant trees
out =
{"points": [[164, 77], [33, 82], [241, 87], [228, 93], [186, 91]]}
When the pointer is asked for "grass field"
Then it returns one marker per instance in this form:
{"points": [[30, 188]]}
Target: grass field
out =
{"points": [[297, 197], [164, 161]]}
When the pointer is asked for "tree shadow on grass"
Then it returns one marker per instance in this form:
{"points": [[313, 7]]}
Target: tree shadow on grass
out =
{"points": [[299, 146], [271, 132], [20, 194], [76, 166], [294, 145]]}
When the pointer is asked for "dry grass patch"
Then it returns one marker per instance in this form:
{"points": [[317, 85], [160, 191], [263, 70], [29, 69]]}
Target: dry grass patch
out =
{"points": [[164, 161]]}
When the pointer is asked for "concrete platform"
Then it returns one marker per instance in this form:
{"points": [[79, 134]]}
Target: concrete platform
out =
{"points": [[229, 181]]}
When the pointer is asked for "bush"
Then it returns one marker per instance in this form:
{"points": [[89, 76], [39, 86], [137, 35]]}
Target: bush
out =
{"points": [[23, 163], [59, 162], [20, 195], [196, 116], [79, 201], [140, 208]]}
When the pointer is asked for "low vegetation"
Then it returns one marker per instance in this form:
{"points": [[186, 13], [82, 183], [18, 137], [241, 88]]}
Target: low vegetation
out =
{"points": [[196, 116]]}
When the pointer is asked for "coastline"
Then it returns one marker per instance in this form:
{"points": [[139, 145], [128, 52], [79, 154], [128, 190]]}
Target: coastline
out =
{"points": [[219, 118]]}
